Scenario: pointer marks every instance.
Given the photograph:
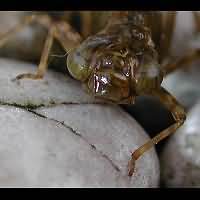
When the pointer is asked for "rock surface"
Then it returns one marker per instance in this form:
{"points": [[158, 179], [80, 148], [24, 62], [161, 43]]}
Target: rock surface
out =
{"points": [[112, 132], [55, 88], [69, 144], [83, 151], [180, 159]]}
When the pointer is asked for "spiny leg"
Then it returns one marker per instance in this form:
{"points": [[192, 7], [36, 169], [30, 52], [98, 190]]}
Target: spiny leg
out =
{"points": [[60, 30], [68, 38], [86, 19], [43, 61], [66, 35], [25, 22], [179, 116]]}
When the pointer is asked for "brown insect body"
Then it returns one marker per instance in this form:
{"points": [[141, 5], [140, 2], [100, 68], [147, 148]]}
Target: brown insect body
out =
{"points": [[118, 63], [121, 62]]}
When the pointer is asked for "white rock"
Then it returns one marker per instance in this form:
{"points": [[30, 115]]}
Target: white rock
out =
{"points": [[180, 159], [39, 152], [54, 88], [91, 148]]}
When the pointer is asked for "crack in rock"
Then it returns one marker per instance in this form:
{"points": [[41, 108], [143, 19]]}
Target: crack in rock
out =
{"points": [[75, 132], [30, 106], [91, 145], [25, 106]]}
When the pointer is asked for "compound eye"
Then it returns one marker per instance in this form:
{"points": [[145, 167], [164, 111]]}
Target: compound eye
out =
{"points": [[108, 86], [77, 65], [98, 84]]}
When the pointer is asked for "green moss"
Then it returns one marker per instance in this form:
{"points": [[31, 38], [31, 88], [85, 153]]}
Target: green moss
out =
{"points": [[27, 105]]}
